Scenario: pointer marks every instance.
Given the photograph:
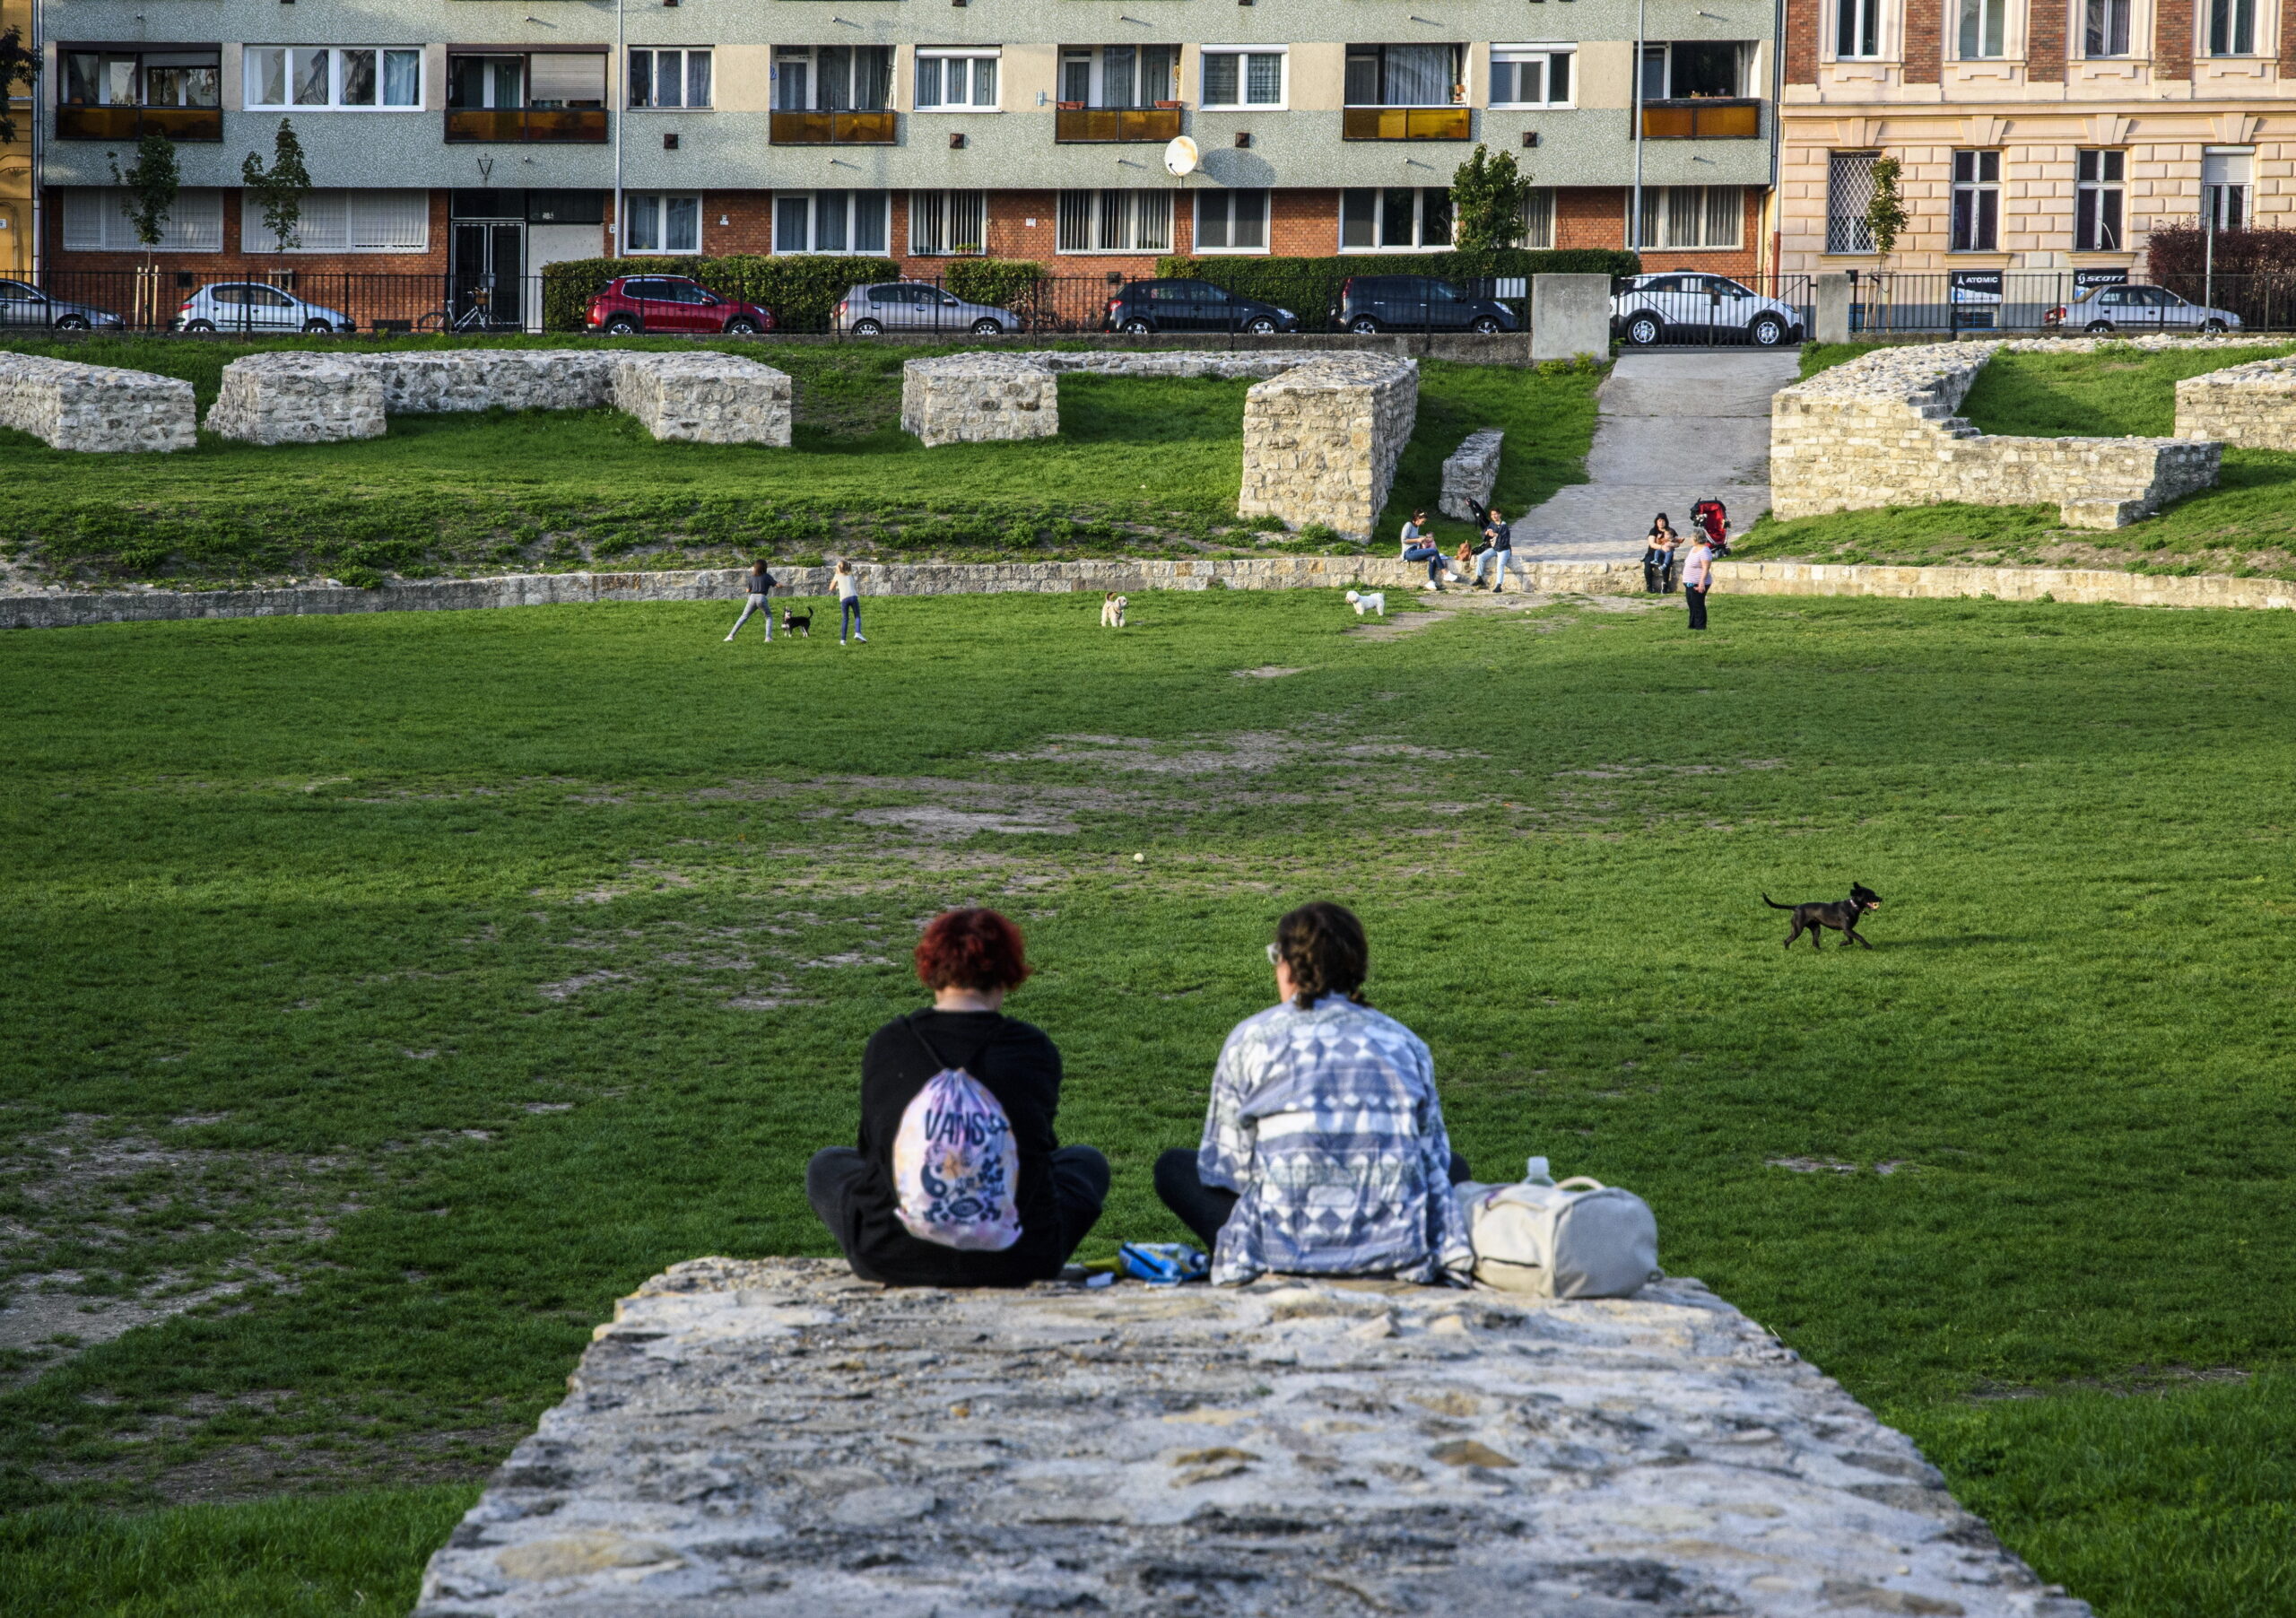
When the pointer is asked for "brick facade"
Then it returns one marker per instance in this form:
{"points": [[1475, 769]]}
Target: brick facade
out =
{"points": [[2045, 42], [2172, 39], [1925, 23], [1800, 45]]}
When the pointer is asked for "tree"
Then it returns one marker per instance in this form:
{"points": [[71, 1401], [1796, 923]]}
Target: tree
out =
{"points": [[18, 66], [150, 184], [1885, 217], [1488, 195], [281, 186]]}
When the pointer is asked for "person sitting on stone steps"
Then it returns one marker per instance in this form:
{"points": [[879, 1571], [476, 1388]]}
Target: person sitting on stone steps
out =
{"points": [[970, 960], [1418, 547], [1324, 1150]]}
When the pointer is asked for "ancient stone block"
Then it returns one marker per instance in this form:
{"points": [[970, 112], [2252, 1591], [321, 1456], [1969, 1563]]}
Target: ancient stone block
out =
{"points": [[438, 381], [978, 398], [1470, 475], [97, 409], [704, 397], [299, 399], [2249, 406], [1321, 440]]}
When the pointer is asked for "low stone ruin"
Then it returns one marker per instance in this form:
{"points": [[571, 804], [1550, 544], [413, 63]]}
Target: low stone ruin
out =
{"points": [[1880, 431], [774, 1438], [2250, 406], [1470, 475], [978, 399], [302, 397], [95, 409]]}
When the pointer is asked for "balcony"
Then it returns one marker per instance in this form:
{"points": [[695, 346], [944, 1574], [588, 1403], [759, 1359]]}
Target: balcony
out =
{"points": [[1105, 125], [1702, 119], [132, 123], [833, 128], [1405, 124], [522, 125]]}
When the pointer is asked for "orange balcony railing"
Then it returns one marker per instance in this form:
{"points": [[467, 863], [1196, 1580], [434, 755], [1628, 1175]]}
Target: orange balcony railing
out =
{"points": [[1106, 124], [517, 125], [1701, 120], [132, 123], [1404, 124], [833, 128]]}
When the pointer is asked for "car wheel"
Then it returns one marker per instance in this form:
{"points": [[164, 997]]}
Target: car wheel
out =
{"points": [[71, 323], [1261, 326], [1137, 326], [866, 328], [318, 328], [1487, 325], [1364, 326], [742, 326], [1644, 329], [621, 325], [2213, 324], [1765, 331], [2095, 326], [986, 327], [199, 326]]}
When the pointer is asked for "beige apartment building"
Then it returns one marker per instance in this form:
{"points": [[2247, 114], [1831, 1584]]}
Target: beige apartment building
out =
{"points": [[2035, 135]]}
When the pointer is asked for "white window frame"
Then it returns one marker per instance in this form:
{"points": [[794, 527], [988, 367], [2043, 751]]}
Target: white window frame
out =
{"points": [[811, 57], [1545, 54], [1863, 21], [1417, 244], [938, 218], [969, 55], [2228, 186], [1229, 198], [1849, 170], [1659, 210], [1991, 27], [2225, 22], [2090, 190], [1090, 210], [853, 201], [336, 220], [654, 55], [252, 66], [93, 223], [655, 208], [2100, 16], [1976, 189], [1283, 54]]}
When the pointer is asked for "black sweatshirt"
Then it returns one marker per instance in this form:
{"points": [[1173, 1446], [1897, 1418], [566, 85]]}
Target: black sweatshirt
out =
{"points": [[1020, 1066]]}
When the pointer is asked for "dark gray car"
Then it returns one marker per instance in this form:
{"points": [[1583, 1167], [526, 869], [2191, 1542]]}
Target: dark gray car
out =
{"points": [[23, 304], [1377, 303]]}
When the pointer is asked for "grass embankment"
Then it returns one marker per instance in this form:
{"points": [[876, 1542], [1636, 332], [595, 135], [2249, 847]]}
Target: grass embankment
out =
{"points": [[393, 992], [2246, 526], [1141, 466]]}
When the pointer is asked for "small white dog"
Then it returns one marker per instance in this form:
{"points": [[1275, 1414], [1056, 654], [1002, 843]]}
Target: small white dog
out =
{"points": [[1112, 607], [1375, 602]]}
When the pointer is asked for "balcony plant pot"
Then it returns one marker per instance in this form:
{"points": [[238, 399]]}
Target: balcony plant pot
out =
{"points": [[1071, 105]]}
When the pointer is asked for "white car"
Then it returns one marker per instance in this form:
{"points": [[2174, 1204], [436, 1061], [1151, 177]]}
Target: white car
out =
{"points": [[2136, 308], [1685, 306], [250, 306]]}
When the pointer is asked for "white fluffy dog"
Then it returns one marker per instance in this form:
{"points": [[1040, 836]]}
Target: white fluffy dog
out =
{"points": [[1112, 607], [1375, 602]]}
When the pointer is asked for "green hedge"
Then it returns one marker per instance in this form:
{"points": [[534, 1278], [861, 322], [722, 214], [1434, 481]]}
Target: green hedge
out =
{"points": [[1308, 287], [800, 288], [1013, 283]]}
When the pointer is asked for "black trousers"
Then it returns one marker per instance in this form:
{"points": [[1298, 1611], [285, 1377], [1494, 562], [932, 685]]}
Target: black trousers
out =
{"points": [[1697, 599], [1202, 1208], [1080, 1185], [1654, 579]]}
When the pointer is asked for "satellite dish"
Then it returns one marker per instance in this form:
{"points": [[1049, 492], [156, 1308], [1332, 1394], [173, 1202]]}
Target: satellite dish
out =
{"points": [[1180, 157]]}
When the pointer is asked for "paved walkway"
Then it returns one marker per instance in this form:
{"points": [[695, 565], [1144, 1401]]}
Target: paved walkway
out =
{"points": [[1675, 428]]}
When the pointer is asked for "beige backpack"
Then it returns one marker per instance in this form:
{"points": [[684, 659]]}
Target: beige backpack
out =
{"points": [[1580, 1239]]}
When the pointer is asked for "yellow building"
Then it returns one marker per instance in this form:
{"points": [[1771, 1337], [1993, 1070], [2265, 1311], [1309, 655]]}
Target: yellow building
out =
{"points": [[16, 158]]}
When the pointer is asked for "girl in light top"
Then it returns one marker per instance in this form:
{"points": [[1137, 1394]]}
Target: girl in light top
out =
{"points": [[1418, 547], [848, 603]]}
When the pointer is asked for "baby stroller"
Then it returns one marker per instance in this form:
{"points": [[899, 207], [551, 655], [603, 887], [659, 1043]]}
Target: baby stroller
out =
{"points": [[1713, 519]]}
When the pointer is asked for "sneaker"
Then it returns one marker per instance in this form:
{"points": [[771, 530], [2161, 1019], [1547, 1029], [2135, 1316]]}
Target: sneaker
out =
{"points": [[863, 639], [729, 641]]}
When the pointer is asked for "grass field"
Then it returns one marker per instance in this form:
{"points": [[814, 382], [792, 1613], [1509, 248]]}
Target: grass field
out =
{"points": [[2247, 525], [392, 993], [1142, 467]]}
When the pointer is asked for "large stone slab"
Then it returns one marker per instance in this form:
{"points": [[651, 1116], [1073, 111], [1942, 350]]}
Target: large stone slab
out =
{"points": [[299, 399], [1321, 441], [775, 1440], [704, 397], [977, 399], [2250, 406], [1470, 475], [97, 409]]}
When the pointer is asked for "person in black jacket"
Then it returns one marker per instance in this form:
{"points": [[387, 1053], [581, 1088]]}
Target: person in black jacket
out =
{"points": [[761, 583], [969, 959]]}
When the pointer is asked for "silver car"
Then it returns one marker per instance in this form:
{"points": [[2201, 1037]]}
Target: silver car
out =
{"points": [[2137, 309], [22, 304], [909, 306], [250, 306], [1683, 306]]}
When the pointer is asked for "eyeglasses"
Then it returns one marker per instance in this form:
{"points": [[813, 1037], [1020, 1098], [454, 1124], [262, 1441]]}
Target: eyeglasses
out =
{"points": [[1273, 955]]}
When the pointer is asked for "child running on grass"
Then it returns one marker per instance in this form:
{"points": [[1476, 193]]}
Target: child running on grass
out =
{"points": [[759, 584], [848, 603]]}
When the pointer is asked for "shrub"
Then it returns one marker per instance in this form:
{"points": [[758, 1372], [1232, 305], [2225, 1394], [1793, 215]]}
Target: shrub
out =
{"points": [[1309, 287], [800, 288], [1013, 283]]}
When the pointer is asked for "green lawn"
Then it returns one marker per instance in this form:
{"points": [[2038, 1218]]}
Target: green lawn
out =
{"points": [[1141, 466], [398, 991], [2246, 525]]}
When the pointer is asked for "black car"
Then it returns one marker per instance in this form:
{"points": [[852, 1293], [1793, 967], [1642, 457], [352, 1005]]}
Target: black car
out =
{"points": [[1378, 303], [1193, 306]]}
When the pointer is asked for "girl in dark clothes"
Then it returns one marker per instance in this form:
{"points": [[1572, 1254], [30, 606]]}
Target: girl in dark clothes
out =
{"points": [[1658, 558]]}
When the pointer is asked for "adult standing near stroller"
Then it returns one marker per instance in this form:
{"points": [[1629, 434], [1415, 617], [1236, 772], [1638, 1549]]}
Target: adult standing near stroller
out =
{"points": [[848, 603], [1658, 558], [1418, 547], [1698, 576], [759, 584]]}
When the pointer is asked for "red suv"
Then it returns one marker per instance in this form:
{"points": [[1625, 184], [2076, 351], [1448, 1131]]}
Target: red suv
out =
{"points": [[672, 303]]}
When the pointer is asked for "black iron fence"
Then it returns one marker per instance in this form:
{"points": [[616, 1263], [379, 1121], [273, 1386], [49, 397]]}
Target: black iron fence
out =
{"points": [[2073, 302]]}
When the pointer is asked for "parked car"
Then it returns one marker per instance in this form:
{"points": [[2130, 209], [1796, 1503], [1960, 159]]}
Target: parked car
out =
{"points": [[1374, 303], [672, 303], [1700, 309], [1193, 306], [909, 306], [250, 306], [2136, 308], [21, 304]]}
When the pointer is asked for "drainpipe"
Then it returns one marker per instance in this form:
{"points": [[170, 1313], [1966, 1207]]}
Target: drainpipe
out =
{"points": [[1634, 214], [39, 150], [1776, 139], [619, 79]]}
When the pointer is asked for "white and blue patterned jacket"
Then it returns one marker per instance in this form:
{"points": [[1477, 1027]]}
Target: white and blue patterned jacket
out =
{"points": [[1326, 1124]]}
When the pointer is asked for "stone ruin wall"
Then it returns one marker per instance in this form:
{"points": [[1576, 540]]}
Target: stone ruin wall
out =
{"points": [[2250, 406], [96, 409], [1470, 475]]}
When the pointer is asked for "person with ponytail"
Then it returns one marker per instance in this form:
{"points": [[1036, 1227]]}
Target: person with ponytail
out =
{"points": [[1323, 1150]]}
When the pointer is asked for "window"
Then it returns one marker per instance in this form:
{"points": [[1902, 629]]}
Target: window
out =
{"points": [[833, 78], [1692, 216], [1977, 201], [1232, 221], [2226, 173], [2097, 201], [956, 82], [1530, 75], [1857, 29], [669, 78], [287, 76], [1116, 222], [1398, 218], [1982, 23], [1687, 69], [2231, 28], [1119, 75], [151, 78], [661, 223], [2105, 28], [550, 83], [830, 222], [93, 222], [1243, 78], [344, 221], [1406, 75], [1538, 218], [1849, 191], [947, 224]]}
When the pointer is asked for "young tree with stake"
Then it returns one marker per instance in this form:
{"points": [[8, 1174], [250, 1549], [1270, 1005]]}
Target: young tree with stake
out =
{"points": [[1885, 216], [281, 186]]}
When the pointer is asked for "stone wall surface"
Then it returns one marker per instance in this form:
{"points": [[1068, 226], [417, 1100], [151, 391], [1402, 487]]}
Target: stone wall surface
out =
{"points": [[1880, 431], [96, 409], [1470, 475], [977, 399], [704, 397], [774, 1438], [2250, 406], [65, 609], [1321, 441], [448, 380], [299, 399]]}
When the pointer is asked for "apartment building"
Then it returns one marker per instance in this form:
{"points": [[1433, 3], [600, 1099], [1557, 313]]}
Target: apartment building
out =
{"points": [[16, 158], [488, 136], [2034, 135]]}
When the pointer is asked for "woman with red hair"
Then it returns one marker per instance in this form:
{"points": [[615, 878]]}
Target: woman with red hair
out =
{"points": [[970, 960]]}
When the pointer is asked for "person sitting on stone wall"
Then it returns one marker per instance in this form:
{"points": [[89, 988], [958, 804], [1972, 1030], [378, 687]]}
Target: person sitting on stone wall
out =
{"points": [[970, 960], [1324, 1150]]}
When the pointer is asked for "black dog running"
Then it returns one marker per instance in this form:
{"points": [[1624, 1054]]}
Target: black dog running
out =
{"points": [[1840, 913]]}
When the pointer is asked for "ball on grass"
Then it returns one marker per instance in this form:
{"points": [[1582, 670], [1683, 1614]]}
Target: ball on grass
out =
{"points": [[1140, 859]]}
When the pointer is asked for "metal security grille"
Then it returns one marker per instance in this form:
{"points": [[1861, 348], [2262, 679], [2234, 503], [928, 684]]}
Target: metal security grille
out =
{"points": [[1849, 190]]}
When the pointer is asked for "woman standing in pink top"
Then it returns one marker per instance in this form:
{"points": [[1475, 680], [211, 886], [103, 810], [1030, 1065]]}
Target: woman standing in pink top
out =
{"points": [[1698, 574]]}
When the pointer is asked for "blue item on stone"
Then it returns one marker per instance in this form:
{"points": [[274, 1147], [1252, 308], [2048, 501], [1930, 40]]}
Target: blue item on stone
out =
{"points": [[1163, 1263]]}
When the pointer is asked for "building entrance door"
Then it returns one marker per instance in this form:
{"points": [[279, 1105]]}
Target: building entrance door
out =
{"points": [[488, 275]]}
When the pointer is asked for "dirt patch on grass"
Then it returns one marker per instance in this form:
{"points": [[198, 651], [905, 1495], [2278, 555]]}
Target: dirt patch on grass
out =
{"points": [[2138, 1382]]}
